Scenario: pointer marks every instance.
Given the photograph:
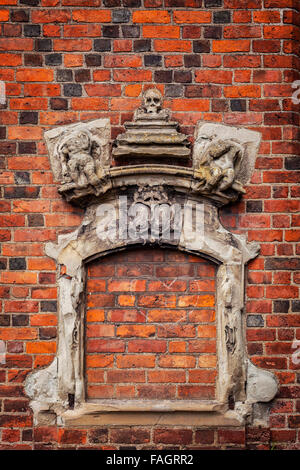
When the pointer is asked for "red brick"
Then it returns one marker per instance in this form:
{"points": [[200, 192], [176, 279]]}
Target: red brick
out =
{"points": [[149, 16], [172, 45], [132, 361], [231, 436], [171, 32], [34, 75], [174, 436], [51, 16], [231, 46], [72, 436], [16, 44]]}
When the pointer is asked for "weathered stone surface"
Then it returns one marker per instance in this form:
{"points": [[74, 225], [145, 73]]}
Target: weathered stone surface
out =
{"points": [[224, 158], [151, 134], [262, 385], [79, 155]]}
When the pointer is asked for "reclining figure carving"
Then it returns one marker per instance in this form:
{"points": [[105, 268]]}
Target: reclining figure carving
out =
{"points": [[217, 163]]}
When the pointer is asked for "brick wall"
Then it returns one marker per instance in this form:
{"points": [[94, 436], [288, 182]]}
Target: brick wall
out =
{"points": [[152, 334], [230, 61]]}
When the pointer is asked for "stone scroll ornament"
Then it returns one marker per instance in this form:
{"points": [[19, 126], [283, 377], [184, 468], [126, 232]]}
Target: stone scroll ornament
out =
{"points": [[152, 162]]}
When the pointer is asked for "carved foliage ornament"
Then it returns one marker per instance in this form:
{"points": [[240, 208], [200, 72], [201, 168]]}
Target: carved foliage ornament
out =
{"points": [[223, 160]]}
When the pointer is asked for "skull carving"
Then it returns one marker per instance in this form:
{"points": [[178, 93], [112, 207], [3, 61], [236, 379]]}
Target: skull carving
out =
{"points": [[152, 101]]}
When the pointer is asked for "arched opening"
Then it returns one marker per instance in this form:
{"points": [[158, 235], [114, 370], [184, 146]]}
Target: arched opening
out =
{"points": [[150, 326]]}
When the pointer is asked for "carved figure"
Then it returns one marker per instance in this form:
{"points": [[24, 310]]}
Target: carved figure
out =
{"points": [[152, 106], [220, 159], [77, 162]]}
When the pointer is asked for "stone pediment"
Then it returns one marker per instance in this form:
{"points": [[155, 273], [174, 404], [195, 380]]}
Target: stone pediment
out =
{"points": [[217, 168]]}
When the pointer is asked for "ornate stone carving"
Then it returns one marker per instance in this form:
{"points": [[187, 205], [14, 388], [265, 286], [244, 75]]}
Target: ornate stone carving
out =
{"points": [[152, 107], [151, 134], [79, 155], [223, 162], [220, 156]]}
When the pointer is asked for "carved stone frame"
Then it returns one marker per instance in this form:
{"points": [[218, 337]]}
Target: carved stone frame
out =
{"points": [[55, 388]]}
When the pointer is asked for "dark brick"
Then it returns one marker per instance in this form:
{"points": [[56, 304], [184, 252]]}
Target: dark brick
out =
{"points": [[15, 347], [7, 148], [192, 60], [176, 3], [35, 220], [219, 106], [93, 60], [22, 177], [142, 45], [47, 333], [152, 60], [255, 320], [34, 60], [72, 89], [102, 45], [201, 46], [254, 206], [129, 436], [97, 436], [58, 103], [13, 406], [4, 320], [281, 306], [16, 264], [21, 16], [213, 3], [292, 264], [20, 320], [238, 105], [47, 278], [53, 59], [163, 76], [33, 3], [2, 132], [199, 91], [32, 30], [27, 435], [43, 45], [295, 305], [292, 163], [29, 117], [213, 32], [130, 31], [110, 31], [173, 91], [48, 306], [3, 263], [64, 75], [132, 3], [27, 147], [221, 17], [120, 16], [204, 436], [20, 192], [82, 75], [182, 76], [294, 421], [112, 3]]}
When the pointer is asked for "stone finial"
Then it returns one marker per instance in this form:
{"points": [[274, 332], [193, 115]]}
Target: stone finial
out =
{"points": [[151, 135]]}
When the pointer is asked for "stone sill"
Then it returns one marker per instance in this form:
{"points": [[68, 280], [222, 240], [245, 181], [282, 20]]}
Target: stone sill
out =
{"points": [[151, 412]]}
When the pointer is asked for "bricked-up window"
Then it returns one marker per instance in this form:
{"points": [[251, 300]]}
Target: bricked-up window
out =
{"points": [[150, 326]]}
